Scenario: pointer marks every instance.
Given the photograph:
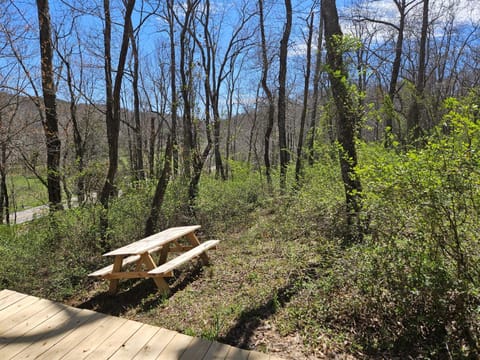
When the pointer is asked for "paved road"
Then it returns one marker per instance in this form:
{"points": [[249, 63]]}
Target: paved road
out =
{"points": [[39, 211], [29, 214]]}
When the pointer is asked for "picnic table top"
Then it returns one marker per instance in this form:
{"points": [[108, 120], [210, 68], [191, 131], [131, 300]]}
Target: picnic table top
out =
{"points": [[159, 239]]}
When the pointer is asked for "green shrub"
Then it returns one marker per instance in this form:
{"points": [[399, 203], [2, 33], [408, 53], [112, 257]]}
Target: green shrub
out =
{"points": [[223, 205], [50, 256], [420, 270]]}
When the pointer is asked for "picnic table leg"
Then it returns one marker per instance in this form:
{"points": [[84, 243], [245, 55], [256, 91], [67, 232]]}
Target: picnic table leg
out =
{"points": [[159, 281], [164, 254], [195, 242], [117, 266]]}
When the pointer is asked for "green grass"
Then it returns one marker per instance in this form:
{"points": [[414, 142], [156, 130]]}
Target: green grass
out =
{"points": [[26, 192]]}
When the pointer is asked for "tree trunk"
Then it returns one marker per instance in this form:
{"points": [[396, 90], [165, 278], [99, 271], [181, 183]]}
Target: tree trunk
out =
{"points": [[268, 93], [316, 86], [186, 89], [112, 116], [4, 200], [77, 136], [414, 125], [251, 140], [282, 96], [219, 169], [173, 84], [160, 190], [298, 164], [347, 118], [49, 98], [138, 167], [151, 148], [392, 89]]}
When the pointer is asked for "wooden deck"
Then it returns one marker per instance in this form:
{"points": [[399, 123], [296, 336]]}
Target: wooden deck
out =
{"points": [[35, 328]]}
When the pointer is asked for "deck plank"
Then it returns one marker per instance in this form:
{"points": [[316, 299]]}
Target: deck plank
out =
{"points": [[112, 343], [153, 348], [197, 349], [136, 342], [237, 354], [35, 328], [11, 299], [49, 328], [217, 351], [5, 292], [56, 333], [73, 338], [176, 347], [32, 320], [104, 330], [10, 314]]}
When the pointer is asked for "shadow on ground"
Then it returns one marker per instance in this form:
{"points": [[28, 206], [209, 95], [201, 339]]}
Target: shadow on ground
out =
{"points": [[141, 294], [240, 334]]}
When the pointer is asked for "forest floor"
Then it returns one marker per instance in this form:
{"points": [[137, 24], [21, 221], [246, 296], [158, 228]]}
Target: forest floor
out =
{"points": [[241, 299]]}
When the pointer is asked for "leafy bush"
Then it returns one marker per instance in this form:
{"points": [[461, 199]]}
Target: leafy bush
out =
{"points": [[224, 205], [420, 271], [412, 288], [50, 256]]}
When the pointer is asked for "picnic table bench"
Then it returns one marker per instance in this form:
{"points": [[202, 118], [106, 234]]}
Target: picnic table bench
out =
{"points": [[140, 253]]}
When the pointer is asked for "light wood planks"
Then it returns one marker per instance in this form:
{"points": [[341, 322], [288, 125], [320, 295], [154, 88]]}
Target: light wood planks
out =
{"points": [[155, 346], [34, 328], [126, 261], [183, 258], [153, 241], [109, 268]]}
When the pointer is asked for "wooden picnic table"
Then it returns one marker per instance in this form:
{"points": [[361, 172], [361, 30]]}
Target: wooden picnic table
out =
{"points": [[140, 254]]}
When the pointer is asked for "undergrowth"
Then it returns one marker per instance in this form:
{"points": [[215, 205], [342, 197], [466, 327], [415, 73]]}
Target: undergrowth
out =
{"points": [[410, 289]]}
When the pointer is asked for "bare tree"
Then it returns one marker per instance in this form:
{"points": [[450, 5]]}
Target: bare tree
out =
{"points": [[75, 90], [49, 98], [186, 76], [414, 126], [347, 119], [138, 168], [160, 190], [282, 96], [8, 112], [268, 93], [298, 164], [113, 91], [404, 7], [217, 65], [316, 88], [173, 82]]}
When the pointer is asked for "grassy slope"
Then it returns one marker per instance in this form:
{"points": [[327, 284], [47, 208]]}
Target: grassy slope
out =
{"points": [[236, 300]]}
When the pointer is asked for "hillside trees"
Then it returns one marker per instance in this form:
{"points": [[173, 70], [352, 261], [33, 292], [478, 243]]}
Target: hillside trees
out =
{"points": [[403, 7], [190, 92], [315, 92], [218, 63]]}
